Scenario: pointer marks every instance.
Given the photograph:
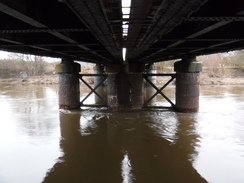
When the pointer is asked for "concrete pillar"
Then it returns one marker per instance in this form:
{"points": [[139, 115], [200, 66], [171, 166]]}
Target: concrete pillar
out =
{"points": [[149, 90], [125, 87], [69, 85], [187, 84], [99, 69]]}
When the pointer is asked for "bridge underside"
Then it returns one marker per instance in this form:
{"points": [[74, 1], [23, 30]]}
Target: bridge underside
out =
{"points": [[97, 30]]}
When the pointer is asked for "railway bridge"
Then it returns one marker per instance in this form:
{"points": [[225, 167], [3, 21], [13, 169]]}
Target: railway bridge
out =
{"points": [[124, 38]]}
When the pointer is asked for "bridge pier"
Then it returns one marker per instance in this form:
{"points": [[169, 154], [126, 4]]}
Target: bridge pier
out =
{"points": [[149, 90], [187, 84], [125, 87], [69, 84], [99, 70]]}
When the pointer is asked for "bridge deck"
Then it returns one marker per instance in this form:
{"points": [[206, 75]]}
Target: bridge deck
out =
{"points": [[97, 30]]}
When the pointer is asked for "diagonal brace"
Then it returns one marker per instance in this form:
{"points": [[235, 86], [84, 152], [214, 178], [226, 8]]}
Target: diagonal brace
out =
{"points": [[159, 91], [93, 90]]}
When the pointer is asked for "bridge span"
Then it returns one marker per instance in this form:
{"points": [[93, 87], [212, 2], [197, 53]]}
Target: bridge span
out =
{"points": [[125, 38]]}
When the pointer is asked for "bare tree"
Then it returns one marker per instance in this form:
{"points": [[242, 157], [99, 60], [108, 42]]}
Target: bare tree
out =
{"points": [[31, 64], [236, 58]]}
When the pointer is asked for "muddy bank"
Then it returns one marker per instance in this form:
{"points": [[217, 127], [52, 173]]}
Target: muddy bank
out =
{"points": [[46, 79], [205, 79]]}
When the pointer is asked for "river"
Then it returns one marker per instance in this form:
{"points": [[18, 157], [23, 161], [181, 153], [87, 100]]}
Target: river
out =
{"points": [[40, 143]]}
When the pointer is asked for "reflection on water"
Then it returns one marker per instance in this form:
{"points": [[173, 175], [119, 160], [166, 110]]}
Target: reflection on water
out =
{"points": [[29, 132], [126, 169], [114, 147], [41, 144], [221, 128]]}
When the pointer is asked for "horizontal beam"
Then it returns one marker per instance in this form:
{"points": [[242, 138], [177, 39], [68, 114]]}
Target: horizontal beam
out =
{"points": [[201, 40], [28, 20], [215, 19], [146, 75], [92, 15], [105, 75], [192, 36], [41, 30], [92, 105]]}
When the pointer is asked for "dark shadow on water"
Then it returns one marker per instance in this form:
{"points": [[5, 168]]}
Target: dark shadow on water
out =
{"points": [[119, 147]]}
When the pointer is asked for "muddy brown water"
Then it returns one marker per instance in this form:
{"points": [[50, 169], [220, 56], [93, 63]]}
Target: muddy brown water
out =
{"points": [[40, 143]]}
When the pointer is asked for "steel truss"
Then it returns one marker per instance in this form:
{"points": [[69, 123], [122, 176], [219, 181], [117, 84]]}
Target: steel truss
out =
{"points": [[145, 76], [93, 90], [158, 90]]}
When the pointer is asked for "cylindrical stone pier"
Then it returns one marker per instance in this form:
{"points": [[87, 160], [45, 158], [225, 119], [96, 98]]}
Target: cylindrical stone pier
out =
{"points": [[125, 89], [187, 84], [149, 90], [69, 85], [99, 69]]}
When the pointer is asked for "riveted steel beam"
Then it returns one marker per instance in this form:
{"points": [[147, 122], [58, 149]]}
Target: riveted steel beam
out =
{"points": [[28, 20], [215, 19], [193, 36], [93, 16], [93, 90], [158, 90], [42, 30], [170, 16]]}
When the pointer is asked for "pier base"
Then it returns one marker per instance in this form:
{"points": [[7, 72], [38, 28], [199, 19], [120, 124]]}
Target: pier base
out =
{"points": [[69, 85], [187, 85], [149, 90], [101, 90], [125, 88]]}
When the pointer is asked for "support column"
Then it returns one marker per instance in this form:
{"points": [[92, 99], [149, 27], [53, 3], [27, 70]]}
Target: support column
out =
{"points": [[69, 85], [149, 90], [125, 87], [99, 69], [187, 84]]}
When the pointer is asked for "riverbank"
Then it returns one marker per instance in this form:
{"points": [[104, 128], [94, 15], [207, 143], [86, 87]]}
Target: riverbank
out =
{"points": [[45, 79], [224, 80], [53, 79]]}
